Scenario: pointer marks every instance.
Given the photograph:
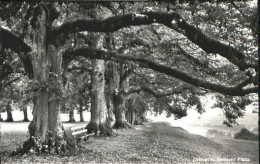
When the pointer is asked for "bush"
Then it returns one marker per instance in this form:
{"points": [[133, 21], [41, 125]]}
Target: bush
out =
{"points": [[245, 134]]}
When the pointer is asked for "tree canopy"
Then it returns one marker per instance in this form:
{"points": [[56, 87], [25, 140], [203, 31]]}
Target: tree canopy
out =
{"points": [[162, 55]]}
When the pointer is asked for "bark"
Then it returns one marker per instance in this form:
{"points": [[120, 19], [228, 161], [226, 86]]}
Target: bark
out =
{"points": [[25, 114], [99, 122], [91, 53], [110, 93], [120, 114], [120, 109], [46, 130], [9, 112]]}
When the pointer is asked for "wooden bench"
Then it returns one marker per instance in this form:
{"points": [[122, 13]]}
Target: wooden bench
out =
{"points": [[80, 133]]}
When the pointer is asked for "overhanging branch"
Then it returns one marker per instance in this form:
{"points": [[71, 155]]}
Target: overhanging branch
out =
{"points": [[141, 62], [194, 34], [10, 40]]}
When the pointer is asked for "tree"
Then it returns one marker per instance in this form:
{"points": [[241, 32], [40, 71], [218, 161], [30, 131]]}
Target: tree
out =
{"points": [[10, 97], [99, 112], [41, 38], [45, 66], [9, 112], [245, 134], [120, 97]]}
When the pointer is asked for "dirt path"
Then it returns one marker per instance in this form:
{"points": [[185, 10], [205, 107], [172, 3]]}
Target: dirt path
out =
{"points": [[159, 143]]}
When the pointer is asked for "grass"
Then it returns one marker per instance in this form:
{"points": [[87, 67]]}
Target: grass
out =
{"points": [[149, 143]]}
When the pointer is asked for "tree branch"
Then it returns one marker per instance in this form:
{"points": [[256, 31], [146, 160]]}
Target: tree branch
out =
{"points": [[172, 20], [197, 62], [141, 62], [10, 40], [236, 7], [210, 45]]}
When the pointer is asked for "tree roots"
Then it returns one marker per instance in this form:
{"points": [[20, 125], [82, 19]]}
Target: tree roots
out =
{"points": [[122, 125]]}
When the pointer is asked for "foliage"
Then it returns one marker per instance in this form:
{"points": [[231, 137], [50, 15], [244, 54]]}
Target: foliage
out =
{"points": [[233, 107], [225, 22], [245, 134], [77, 85]]}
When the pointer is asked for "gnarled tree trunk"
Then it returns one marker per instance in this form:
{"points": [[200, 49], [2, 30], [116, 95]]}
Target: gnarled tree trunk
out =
{"points": [[120, 113], [120, 109], [99, 122], [46, 130], [110, 90]]}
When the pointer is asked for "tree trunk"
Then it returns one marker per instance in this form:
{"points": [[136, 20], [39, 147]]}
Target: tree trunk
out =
{"points": [[71, 116], [120, 109], [9, 112], [25, 114], [46, 130], [130, 116], [99, 122], [135, 114], [81, 119], [110, 90]]}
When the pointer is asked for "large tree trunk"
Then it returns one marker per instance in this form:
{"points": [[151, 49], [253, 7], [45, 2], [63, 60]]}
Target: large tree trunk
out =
{"points": [[110, 90], [9, 112], [120, 110], [99, 122], [25, 114], [120, 99], [46, 130]]}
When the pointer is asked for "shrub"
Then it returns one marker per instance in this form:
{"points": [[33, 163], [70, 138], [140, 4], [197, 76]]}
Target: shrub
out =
{"points": [[245, 134]]}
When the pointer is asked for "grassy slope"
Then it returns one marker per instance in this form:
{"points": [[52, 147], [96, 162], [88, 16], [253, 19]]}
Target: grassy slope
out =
{"points": [[150, 143]]}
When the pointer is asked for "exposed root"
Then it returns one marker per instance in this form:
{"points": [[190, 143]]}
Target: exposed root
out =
{"points": [[105, 130], [25, 149], [101, 130], [9, 120], [122, 125], [53, 145], [92, 127], [25, 120]]}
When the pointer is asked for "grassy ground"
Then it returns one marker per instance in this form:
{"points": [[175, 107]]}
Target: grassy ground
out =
{"points": [[150, 143]]}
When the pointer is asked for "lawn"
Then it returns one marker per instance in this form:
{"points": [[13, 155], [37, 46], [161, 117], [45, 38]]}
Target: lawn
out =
{"points": [[149, 143]]}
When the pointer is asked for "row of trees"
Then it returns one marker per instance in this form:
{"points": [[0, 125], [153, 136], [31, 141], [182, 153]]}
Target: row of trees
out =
{"points": [[128, 57]]}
